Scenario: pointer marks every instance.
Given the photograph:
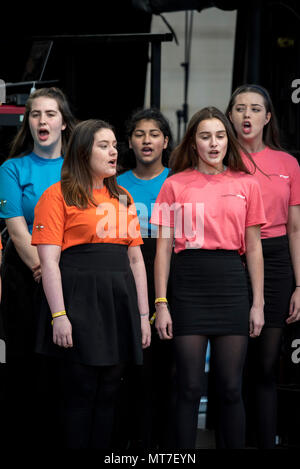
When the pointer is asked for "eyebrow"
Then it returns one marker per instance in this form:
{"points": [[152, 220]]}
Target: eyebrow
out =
{"points": [[260, 105], [208, 132], [105, 141], [47, 110]]}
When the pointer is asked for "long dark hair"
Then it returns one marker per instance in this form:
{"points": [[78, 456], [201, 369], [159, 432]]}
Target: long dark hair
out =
{"points": [[76, 175], [271, 134], [127, 158], [23, 142], [185, 156]]}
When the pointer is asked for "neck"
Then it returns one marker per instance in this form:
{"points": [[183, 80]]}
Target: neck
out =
{"points": [[48, 152], [211, 170], [253, 146], [142, 171], [98, 183]]}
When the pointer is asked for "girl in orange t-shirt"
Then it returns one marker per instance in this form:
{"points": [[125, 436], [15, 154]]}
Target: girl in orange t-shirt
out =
{"points": [[214, 213], [254, 121], [87, 234]]}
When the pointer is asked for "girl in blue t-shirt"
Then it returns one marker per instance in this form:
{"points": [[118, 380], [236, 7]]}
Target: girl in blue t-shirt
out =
{"points": [[33, 165], [146, 392]]}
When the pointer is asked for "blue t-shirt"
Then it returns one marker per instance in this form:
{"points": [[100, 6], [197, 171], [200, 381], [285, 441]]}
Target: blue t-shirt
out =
{"points": [[22, 182], [144, 194]]}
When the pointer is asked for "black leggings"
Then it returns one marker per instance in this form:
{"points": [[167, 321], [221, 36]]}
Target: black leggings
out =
{"points": [[227, 359], [260, 387], [88, 400]]}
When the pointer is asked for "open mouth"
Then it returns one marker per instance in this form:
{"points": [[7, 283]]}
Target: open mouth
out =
{"points": [[246, 127], [214, 153], [147, 151], [43, 134]]}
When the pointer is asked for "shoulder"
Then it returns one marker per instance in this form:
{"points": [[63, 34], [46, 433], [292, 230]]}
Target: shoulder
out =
{"points": [[124, 176], [53, 192]]}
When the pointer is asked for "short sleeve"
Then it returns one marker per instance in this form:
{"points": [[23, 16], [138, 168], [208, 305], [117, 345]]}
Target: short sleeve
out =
{"points": [[295, 183], [49, 218], [10, 191], [255, 207], [163, 209]]}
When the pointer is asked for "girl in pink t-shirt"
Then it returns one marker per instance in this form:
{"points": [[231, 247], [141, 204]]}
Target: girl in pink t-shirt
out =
{"points": [[212, 207], [253, 118]]}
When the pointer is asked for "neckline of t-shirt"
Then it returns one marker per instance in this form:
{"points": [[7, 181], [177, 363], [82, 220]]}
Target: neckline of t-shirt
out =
{"points": [[45, 160], [213, 176], [146, 181], [261, 152]]}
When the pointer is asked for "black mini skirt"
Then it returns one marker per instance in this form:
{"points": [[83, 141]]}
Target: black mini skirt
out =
{"points": [[101, 302], [209, 293], [278, 280]]}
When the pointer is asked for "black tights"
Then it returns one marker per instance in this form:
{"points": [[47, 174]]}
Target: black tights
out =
{"points": [[260, 387], [88, 400], [227, 358]]}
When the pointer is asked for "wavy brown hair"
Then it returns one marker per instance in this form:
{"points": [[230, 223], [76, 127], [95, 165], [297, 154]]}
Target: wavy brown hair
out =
{"points": [[23, 142], [185, 156], [76, 175]]}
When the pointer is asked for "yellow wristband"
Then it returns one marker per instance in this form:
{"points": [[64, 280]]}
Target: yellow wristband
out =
{"points": [[60, 313], [160, 300]]}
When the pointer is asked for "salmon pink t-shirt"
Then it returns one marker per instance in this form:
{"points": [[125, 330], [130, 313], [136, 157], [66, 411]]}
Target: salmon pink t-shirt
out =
{"points": [[109, 222], [280, 190], [209, 211]]}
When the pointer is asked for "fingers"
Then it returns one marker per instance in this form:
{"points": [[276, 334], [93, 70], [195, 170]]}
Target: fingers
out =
{"points": [[165, 331], [294, 313], [255, 329]]}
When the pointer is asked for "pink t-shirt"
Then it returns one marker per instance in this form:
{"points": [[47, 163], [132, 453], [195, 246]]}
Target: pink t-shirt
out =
{"points": [[280, 190], [209, 211]]}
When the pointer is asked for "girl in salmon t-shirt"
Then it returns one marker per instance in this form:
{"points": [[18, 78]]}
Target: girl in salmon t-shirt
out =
{"points": [[213, 209], [253, 118], [87, 234]]}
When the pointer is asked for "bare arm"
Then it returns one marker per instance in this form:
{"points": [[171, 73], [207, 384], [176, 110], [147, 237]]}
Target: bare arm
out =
{"points": [[51, 277], [140, 277], [164, 245], [255, 266], [20, 236], [293, 229]]}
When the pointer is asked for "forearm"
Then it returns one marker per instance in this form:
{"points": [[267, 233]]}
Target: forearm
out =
{"points": [[51, 278], [255, 267], [140, 277], [294, 244], [162, 268], [20, 236]]}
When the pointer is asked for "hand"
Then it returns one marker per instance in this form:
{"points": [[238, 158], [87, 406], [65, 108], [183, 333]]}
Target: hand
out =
{"points": [[37, 273], [146, 331], [294, 311], [256, 321], [163, 322], [62, 332]]}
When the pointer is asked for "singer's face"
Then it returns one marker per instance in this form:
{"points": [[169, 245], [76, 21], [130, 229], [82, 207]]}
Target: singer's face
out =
{"points": [[103, 159], [46, 124], [147, 142]]}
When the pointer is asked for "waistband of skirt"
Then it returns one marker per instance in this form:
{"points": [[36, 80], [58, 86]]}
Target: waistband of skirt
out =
{"points": [[208, 253], [102, 256]]}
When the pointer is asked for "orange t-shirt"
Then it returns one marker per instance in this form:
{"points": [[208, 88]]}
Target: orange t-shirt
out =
{"points": [[109, 222]]}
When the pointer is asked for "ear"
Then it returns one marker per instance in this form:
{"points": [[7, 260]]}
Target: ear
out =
{"points": [[129, 143], [166, 141], [268, 117], [229, 115], [64, 126]]}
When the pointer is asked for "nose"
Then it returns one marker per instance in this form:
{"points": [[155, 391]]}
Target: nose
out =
{"points": [[247, 112], [42, 119], [213, 142], [146, 139]]}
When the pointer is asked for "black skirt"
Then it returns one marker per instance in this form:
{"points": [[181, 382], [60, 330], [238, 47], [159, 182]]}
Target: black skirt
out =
{"points": [[209, 293], [101, 303], [278, 280], [20, 295]]}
